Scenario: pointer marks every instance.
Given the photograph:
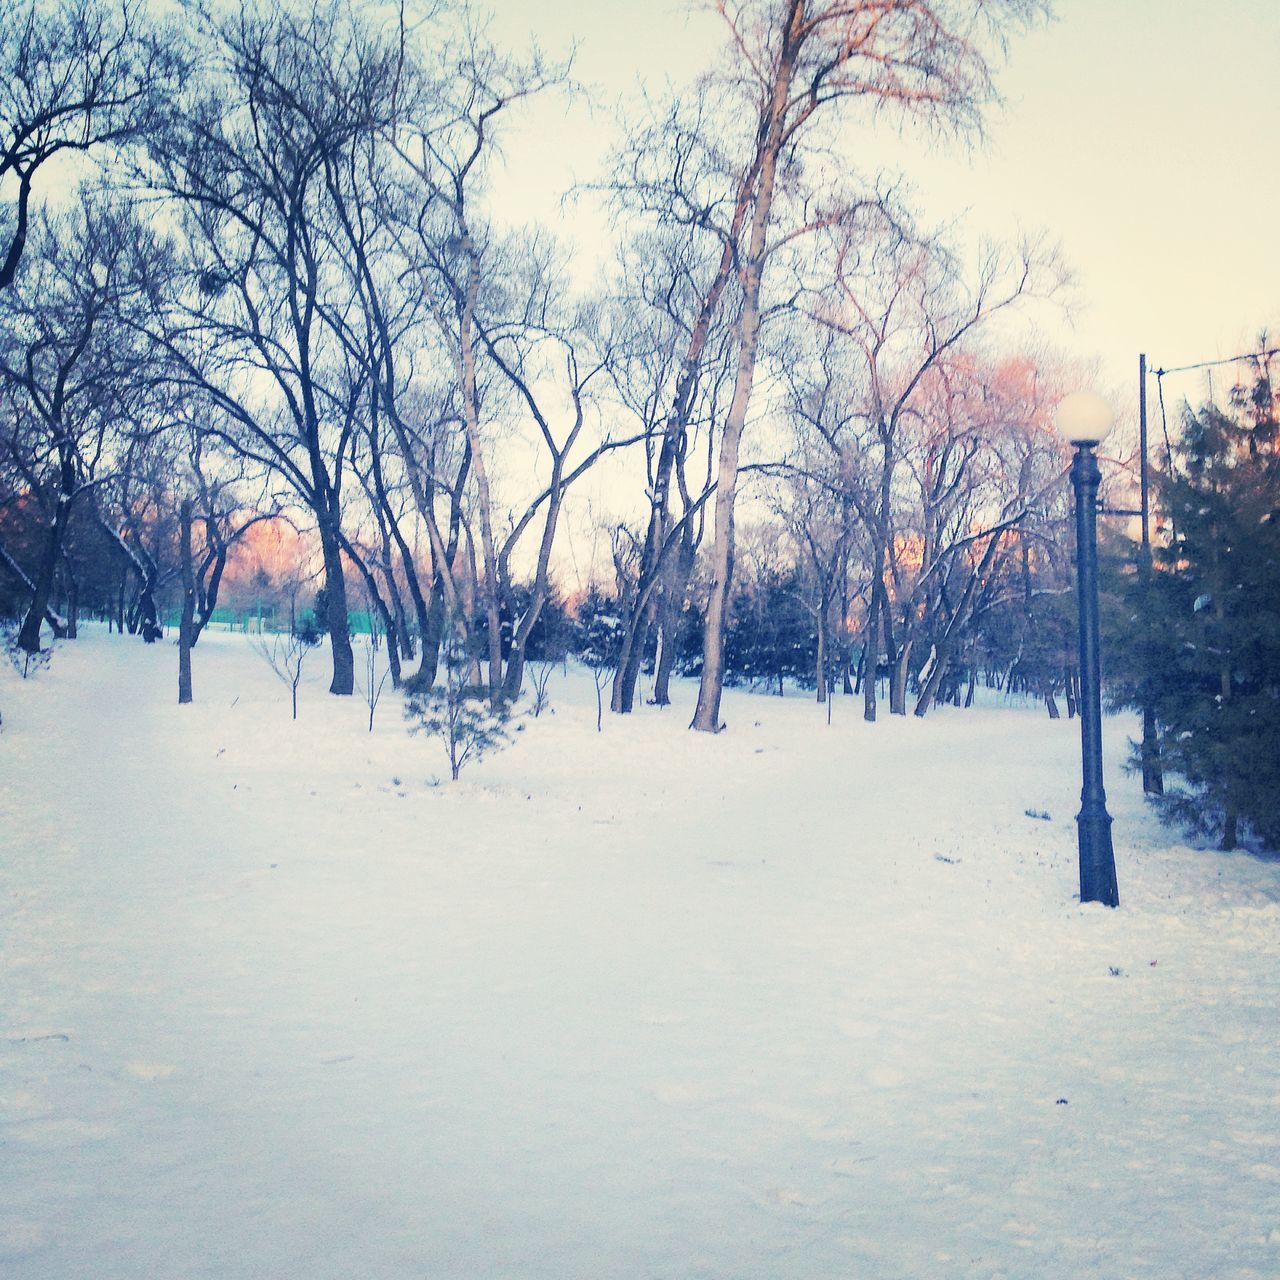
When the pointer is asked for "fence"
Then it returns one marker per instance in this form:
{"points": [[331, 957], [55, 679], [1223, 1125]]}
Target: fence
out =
{"points": [[264, 619]]}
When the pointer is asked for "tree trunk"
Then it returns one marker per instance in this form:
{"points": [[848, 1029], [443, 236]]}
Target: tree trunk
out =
{"points": [[186, 636], [73, 597], [429, 663], [379, 602], [846, 640], [706, 716], [389, 529], [634, 643], [671, 614], [148, 615], [668, 643], [58, 624], [522, 630], [207, 601], [404, 631], [29, 635], [641, 618], [901, 669], [820, 665], [393, 655], [940, 669], [442, 596], [1230, 828], [471, 419], [337, 621], [673, 443], [870, 659]]}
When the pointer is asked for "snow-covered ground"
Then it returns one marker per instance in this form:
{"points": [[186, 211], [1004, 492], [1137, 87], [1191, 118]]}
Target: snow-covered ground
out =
{"points": [[791, 1002]]}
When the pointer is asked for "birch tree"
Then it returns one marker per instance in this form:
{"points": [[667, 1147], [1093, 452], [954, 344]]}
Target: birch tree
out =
{"points": [[797, 68]]}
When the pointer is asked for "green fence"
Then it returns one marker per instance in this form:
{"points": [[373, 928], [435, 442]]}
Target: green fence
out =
{"points": [[268, 619]]}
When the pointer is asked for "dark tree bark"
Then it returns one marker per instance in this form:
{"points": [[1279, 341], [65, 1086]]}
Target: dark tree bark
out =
{"points": [[29, 634], [186, 627], [73, 596], [8, 563], [671, 615], [337, 614]]}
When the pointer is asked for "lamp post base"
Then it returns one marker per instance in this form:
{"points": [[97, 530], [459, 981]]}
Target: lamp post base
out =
{"points": [[1097, 860]]}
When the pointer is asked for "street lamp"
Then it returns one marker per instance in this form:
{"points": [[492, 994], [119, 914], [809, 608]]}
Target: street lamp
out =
{"points": [[1083, 419]]}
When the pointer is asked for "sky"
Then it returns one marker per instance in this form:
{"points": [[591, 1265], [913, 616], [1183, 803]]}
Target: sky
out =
{"points": [[1137, 133]]}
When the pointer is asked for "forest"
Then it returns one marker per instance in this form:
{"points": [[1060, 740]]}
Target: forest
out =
{"points": [[268, 332]]}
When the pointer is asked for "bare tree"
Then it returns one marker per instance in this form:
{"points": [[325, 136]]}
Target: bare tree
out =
{"points": [[900, 320], [792, 64], [74, 361], [268, 330], [669, 377], [76, 77], [286, 655], [229, 501], [375, 676], [459, 263], [568, 355]]}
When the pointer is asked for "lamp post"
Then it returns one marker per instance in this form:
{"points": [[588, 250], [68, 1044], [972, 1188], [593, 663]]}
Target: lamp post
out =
{"points": [[1083, 419]]}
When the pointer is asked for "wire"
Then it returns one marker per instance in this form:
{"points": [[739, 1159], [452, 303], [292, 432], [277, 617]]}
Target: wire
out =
{"points": [[1168, 449], [1164, 422], [1189, 368], [1211, 364]]}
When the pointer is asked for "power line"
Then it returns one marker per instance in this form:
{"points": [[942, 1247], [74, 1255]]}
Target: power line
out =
{"points": [[1189, 368], [1211, 364]]}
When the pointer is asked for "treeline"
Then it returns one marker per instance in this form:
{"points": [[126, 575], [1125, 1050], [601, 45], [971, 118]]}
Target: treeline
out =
{"points": [[253, 271]]}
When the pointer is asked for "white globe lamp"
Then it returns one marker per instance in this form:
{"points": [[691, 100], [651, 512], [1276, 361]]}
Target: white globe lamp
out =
{"points": [[1083, 418]]}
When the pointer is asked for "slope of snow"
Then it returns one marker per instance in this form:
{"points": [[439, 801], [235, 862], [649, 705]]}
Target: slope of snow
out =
{"points": [[796, 1001]]}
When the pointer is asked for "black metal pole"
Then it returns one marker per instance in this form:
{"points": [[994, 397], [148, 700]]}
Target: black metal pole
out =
{"points": [[1144, 472], [1097, 860], [1152, 773]]}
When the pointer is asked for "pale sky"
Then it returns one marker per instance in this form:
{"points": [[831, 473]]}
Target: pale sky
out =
{"points": [[1138, 133]]}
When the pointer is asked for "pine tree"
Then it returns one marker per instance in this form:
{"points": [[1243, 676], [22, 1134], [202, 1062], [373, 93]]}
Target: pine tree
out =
{"points": [[1213, 664], [597, 641], [456, 711], [771, 636]]}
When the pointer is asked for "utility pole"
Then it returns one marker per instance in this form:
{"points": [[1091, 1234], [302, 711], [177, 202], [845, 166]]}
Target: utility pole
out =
{"points": [[1152, 774]]}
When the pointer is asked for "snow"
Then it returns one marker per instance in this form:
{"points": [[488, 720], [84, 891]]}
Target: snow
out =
{"points": [[790, 1002]]}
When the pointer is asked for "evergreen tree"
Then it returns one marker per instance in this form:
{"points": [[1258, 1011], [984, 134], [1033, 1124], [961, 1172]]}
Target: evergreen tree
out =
{"points": [[456, 711], [1213, 661], [597, 641], [552, 634], [771, 636]]}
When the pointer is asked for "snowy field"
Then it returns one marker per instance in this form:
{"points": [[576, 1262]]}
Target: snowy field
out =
{"points": [[792, 1003]]}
